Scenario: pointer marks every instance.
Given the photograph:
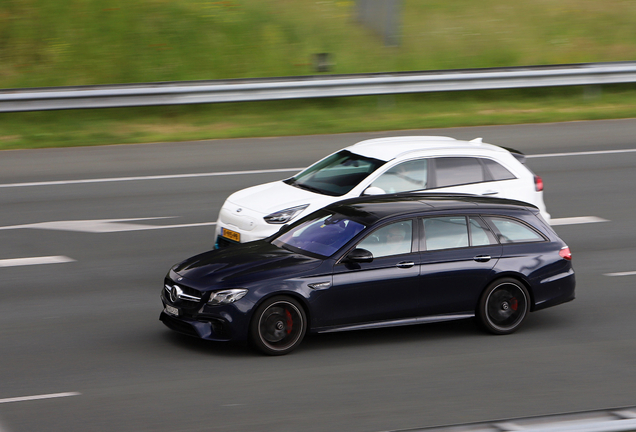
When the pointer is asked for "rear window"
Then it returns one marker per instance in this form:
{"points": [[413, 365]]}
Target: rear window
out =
{"points": [[513, 231], [498, 171]]}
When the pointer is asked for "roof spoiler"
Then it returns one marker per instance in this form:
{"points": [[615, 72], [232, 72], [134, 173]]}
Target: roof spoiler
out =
{"points": [[516, 153]]}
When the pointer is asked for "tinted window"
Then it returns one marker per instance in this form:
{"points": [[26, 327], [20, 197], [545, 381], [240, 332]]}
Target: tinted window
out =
{"points": [[497, 171], [392, 239], [480, 235], [451, 171], [445, 232], [337, 174], [405, 177], [320, 233], [512, 231]]}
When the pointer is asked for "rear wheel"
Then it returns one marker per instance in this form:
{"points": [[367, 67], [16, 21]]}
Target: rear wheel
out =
{"points": [[503, 306], [278, 326]]}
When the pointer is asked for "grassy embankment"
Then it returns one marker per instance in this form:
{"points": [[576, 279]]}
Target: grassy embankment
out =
{"points": [[80, 42]]}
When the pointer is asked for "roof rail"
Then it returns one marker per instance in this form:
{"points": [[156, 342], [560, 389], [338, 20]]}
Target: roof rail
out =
{"points": [[403, 138]]}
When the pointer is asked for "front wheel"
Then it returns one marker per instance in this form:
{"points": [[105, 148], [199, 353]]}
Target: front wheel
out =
{"points": [[278, 326], [503, 306]]}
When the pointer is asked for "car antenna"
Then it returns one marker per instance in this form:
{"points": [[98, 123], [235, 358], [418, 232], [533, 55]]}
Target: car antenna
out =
{"points": [[477, 141]]}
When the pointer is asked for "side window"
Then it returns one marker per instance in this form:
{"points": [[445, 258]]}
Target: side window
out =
{"points": [[445, 232], [392, 239], [452, 171], [512, 231], [480, 235], [404, 177], [498, 171]]}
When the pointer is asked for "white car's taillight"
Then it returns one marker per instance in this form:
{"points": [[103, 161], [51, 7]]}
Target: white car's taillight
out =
{"points": [[538, 183]]}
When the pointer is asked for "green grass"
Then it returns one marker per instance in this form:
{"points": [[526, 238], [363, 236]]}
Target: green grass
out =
{"points": [[83, 42], [318, 116]]}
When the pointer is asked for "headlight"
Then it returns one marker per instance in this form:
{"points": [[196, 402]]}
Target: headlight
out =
{"points": [[226, 296], [284, 216]]}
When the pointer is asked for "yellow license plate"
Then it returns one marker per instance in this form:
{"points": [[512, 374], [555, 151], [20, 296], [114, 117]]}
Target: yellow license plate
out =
{"points": [[232, 235]]}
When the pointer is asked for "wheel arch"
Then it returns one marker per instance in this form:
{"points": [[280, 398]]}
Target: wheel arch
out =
{"points": [[296, 296], [514, 275]]}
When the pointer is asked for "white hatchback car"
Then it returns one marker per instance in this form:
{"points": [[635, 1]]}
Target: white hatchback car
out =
{"points": [[379, 166]]}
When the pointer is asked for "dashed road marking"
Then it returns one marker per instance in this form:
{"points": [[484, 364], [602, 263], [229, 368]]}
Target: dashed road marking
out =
{"points": [[39, 397], [16, 262], [577, 220], [585, 153], [629, 273]]}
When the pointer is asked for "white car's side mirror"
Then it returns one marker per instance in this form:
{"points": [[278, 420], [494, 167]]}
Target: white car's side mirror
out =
{"points": [[373, 190]]}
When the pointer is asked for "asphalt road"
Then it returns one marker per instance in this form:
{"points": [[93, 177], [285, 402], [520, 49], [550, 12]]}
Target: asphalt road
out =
{"points": [[89, 327]]}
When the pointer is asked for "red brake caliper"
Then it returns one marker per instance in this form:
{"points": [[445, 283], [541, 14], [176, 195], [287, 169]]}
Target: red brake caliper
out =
{"points": [[290, 323], [514, 304]]}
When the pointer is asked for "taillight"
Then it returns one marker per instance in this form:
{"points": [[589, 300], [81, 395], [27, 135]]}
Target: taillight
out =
{"points": [[565, 253], [538, 183]]}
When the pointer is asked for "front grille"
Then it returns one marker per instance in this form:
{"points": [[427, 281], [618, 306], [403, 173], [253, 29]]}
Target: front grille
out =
{"points": [[222, 242], [187, 293]]}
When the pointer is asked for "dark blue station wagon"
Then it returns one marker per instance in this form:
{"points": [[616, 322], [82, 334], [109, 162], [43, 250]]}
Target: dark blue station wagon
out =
{"points": [[374, 262]]}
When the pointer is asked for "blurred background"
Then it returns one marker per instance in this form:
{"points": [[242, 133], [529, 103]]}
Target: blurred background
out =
{"points": [[47, 43], [82, 42]]}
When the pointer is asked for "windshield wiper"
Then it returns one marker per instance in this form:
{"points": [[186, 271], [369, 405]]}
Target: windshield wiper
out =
{"points": [[309, 188]]}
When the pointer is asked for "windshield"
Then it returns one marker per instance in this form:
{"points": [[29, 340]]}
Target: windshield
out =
{"points": [[337, 174], [321, 233]]}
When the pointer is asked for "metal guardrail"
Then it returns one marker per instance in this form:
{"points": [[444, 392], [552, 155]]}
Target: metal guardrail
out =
{"points": [[608, 420], [243, 90]]}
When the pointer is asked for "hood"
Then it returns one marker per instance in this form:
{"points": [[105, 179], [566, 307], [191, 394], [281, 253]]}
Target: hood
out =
{"points": [[242, 264], [272, 197]]}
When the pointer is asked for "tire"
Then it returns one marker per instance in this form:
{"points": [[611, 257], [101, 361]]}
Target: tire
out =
{"points": [[278, 326], [503, 306]]}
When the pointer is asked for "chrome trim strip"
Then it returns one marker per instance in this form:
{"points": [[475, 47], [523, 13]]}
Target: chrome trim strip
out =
{"points": [[400, 322], [183, 296]]}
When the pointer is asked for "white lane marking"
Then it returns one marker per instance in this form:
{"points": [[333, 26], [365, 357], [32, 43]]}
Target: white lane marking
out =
{"points": [[103, 225], [576, 220], [586, 153], [38, 397], [118, 225], [266, 171], [629, 273], [16, 262], [156, 177]]}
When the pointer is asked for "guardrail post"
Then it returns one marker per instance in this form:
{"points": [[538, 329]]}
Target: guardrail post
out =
{"points": [[383, 17]]}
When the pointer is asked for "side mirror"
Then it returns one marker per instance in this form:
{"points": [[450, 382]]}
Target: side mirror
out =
{"points": [[373, 190], [360, 255]]}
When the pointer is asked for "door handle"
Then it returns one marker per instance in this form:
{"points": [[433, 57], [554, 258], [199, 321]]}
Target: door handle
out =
{"points": [[490, 193], [405, 264], [482, 258]]}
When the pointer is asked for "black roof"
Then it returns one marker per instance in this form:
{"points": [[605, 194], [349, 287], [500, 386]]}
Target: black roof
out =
{"points": [[369, 209]]}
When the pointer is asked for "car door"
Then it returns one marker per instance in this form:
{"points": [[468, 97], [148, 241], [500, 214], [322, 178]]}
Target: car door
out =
{"points": [[458, 255], [384, 289]]}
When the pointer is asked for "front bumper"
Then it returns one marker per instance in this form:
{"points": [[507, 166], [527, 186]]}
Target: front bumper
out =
{"points": [[214, 329], [197, 319], [249, 224]]}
